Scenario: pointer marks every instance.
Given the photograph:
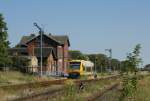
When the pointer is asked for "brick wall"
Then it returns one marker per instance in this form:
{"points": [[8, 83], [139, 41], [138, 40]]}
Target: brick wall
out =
{"points": [[66, 56]]}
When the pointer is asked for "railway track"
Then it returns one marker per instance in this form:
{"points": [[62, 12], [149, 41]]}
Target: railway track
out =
{"points": [[100, 96], [111, 93], [48, 83], [33, 85], [45, 95]]}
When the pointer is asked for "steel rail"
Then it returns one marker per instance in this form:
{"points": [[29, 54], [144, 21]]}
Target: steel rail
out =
{"points": [[46, 94]]}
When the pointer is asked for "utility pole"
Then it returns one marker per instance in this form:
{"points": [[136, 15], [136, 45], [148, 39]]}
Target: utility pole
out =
{"points": [[41, 32], [110, 56], [95, 74], [95, 63]]}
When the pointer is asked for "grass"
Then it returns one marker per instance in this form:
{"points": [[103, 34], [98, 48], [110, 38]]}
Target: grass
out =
{"points": [[71, 90], [11, 94], [15, 77], [99, 75], [103, 74], [143, 91], [73, 93]]}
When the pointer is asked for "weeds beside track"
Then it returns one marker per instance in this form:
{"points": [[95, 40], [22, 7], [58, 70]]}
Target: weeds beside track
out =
{"points": [[50, 93]]}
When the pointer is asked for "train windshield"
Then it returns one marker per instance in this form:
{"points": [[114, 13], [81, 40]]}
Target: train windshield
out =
{"points": [[75, 65]]}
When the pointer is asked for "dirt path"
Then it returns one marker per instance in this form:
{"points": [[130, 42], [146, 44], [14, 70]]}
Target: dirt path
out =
{"points": [[112, 95]]}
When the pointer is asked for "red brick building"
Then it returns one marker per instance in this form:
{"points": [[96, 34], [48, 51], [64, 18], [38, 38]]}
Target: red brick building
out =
{"points": [[55, 51]]}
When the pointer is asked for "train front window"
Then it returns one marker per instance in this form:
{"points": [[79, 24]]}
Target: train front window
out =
{"points": [[75, 65]]}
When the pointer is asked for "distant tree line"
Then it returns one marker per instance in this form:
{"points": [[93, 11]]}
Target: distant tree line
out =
{"points": [[104, 63], [146, 67], [101, 61]]}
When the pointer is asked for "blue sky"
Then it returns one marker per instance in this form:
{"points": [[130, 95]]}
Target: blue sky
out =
{"points": [[92, 25]]}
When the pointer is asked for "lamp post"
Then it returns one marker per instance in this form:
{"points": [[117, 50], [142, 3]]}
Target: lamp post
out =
{"points": [[41, 40], [110, 56]]}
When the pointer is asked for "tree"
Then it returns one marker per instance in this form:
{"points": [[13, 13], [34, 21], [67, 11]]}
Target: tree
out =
{"points": [[133, 59], [147, 67], [131, 65], [124, 66], [100, 60], [20, 63], [75, 54], [115, 64], [3, 43]]}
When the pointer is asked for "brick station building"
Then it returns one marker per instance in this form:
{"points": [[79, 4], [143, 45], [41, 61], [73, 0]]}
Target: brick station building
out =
{"points": [[55, 52]]}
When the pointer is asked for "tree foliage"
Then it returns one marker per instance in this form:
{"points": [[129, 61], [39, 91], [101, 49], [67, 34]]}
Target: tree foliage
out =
{"points": [[101, 61], [115, 64], [147, 67], [133, 59], [75, 54], [131, 65], [20, 63], [3, 42]]}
